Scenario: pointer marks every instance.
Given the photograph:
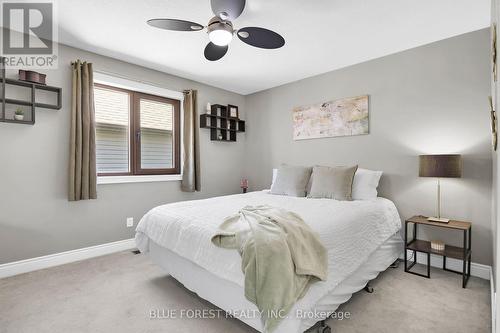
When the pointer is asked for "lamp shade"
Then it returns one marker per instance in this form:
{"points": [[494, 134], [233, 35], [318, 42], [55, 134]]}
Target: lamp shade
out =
{"points": [[442, 166]]}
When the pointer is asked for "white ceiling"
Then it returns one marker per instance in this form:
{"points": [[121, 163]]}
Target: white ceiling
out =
{"points": [[321, 35]]}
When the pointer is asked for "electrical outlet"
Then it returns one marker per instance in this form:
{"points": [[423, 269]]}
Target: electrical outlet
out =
{"points": [[130, 222]]}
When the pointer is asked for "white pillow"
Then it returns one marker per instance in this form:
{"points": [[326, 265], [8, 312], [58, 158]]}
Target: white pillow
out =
{"points": [[364, 186]]}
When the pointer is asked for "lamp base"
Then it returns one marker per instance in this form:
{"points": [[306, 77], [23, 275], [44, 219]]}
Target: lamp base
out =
{"points": [[438, 219]]}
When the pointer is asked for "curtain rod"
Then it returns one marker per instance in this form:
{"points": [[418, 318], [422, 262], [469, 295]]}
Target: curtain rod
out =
{"points": [[121, 76]]}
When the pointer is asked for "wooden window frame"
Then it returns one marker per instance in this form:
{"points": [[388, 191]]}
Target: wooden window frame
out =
{"points": [[134, 129], [136, 126]]}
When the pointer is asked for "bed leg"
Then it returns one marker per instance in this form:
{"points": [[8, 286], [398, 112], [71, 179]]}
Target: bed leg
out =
{"points": [[368, 288], [323, 327], [395, 264]]}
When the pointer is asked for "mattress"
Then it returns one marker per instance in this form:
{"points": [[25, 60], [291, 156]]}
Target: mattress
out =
{"points": [[229, 296], [350, 230]]}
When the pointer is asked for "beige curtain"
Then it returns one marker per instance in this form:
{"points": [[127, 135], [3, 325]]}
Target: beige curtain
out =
{"points": [[82, 160], [191, 167]]}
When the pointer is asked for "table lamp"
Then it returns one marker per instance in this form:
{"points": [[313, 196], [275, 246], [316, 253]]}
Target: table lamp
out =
{"points": [[440, 166]]}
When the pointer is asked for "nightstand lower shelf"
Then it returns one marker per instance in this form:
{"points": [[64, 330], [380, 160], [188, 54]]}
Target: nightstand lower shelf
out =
{"points": [[449, 251]]}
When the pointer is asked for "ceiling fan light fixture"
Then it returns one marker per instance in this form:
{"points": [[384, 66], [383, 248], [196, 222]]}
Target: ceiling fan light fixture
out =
{"points": [[220, 32], [220, 37]]}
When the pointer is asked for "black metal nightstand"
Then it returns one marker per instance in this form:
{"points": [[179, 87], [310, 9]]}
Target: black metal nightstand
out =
{"points": [[462, 253]]}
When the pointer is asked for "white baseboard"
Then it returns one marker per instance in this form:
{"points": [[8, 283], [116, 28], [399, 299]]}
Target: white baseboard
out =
{"points": [[477, 270], [56, 259]]}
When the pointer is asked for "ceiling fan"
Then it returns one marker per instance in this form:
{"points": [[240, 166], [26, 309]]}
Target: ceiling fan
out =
{"points": [[220, 29]]}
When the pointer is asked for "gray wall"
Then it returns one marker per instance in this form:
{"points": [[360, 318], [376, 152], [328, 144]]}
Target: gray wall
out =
{"points": [[431, 99], [35, 217]]}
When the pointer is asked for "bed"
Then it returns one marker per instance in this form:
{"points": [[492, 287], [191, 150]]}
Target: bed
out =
{"points": [[362, 238]]}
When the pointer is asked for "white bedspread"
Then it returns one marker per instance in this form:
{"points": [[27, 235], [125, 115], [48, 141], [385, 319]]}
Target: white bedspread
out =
{"points": [[350, 230]]}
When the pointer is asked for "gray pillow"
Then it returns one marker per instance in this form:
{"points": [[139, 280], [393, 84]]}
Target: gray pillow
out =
{"points": [[332, 182], [291, 180]]}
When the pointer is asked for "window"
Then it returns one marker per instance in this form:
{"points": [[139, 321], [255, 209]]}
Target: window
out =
{"points": [[136, 133]]}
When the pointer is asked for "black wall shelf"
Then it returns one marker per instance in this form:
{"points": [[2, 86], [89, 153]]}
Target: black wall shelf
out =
{"points": [[221, 126], [32, 104]]}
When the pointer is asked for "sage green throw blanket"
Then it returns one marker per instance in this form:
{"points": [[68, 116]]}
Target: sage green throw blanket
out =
{"points": [[280, 254]]}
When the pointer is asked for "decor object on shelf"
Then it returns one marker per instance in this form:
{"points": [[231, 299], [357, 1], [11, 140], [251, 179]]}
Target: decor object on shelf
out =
{"points": [[31, 104], [342, 117], [220, 29], [222, 126], [31, 76], [208, 109], [494, 133], [440, 166], [19, 114], [233, 111], [437, 245], [244, 185]]}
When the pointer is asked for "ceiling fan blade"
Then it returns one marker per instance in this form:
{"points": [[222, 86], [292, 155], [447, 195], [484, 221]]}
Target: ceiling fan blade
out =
{"points": [[228, 9], [260, 37], [176, 25], [214, 52]]}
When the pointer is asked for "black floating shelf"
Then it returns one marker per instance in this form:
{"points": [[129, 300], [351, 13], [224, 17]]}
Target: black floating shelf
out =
{"points": [[31, 103], [47, 106], [222, 127], [17, 102], [13, 121]]}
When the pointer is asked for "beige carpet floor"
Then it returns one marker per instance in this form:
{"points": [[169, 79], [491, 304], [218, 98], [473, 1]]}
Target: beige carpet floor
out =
{"points": [[115, 293]]}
